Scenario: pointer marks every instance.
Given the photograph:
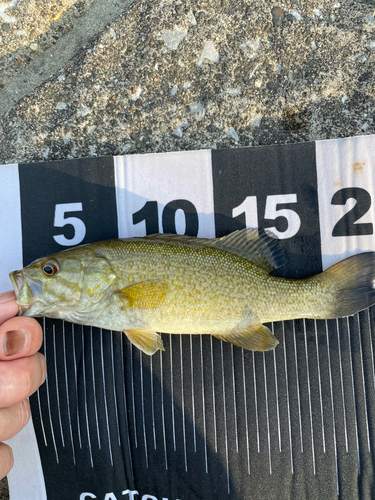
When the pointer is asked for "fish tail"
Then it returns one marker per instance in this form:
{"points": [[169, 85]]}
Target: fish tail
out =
{"points": [[350, 285]]}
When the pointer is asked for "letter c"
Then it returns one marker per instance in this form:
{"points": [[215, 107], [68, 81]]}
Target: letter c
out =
{"points": [[84, 496]]}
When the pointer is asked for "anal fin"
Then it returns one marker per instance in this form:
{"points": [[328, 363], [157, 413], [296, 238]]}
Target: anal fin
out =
{"points": [[146, 340], [255, 338]]}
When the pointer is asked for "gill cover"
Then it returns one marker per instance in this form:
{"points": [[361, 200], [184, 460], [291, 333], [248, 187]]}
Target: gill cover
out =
{"points": [[98, 277]]}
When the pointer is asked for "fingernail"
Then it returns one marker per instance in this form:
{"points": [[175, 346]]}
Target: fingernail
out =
{"points": [[7, 297], [15, 342]]}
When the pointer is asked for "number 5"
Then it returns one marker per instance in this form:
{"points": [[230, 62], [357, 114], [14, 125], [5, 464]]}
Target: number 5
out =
{"points": [[60, 221], [272, 212]]}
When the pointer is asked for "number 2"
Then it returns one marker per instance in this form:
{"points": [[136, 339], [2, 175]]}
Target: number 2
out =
{"points": [[348, 225]]}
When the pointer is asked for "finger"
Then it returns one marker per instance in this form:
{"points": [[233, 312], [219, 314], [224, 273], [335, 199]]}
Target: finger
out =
{"points": [[6, 459], [20, 337], [8, 306], [7, 296], [20, 378], [13, 419]]}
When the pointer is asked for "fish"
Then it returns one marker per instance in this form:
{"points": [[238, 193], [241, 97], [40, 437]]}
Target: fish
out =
{"points": [[178, 284]]}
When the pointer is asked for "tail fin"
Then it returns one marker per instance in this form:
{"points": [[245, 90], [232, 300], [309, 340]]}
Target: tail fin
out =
{"points": [[352, 283]]}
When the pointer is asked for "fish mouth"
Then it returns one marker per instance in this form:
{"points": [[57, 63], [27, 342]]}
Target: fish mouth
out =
{"points": [[25, 291]]}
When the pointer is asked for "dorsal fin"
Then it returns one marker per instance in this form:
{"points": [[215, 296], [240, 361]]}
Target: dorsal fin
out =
{"points": [[257, 246]]}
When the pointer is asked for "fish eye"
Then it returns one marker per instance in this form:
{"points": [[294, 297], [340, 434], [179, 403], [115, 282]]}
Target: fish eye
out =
{"points": [[50, 268]]}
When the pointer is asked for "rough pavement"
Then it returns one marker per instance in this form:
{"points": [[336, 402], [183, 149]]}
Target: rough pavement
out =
{"points": [[104, 77], [169, 76]]}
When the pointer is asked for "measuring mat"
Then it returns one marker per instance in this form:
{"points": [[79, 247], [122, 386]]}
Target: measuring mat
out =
{"points": [[203, 419]]}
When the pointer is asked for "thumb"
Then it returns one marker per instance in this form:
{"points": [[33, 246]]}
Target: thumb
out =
{"points": [[20, 337]]}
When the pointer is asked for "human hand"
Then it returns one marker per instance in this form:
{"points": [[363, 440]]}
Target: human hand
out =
{"points": [[22, 371]]}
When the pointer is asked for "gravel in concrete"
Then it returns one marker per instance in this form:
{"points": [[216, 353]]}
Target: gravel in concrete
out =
{"points": [[166, 76]]}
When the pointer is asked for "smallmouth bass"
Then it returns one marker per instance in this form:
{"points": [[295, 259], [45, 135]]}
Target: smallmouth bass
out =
{"points": [[179, 284]]}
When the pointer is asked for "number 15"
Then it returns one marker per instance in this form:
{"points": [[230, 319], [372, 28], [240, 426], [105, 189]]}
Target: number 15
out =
{"points": [[250, 208]]}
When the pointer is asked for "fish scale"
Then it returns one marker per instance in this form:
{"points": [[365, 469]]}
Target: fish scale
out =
{"points": [[195, 278]]}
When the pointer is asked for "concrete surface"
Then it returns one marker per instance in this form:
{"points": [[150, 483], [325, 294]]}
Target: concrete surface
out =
{"points": [[169, 76], [103, 77], [43, 37]]}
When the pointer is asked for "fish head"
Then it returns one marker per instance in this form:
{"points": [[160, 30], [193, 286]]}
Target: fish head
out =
{"points": [[47, 283], [61, 285]]}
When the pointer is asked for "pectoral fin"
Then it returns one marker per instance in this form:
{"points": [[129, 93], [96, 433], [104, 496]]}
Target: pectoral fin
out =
{"points": [[144, 295], [146, 340], [255, 338]]}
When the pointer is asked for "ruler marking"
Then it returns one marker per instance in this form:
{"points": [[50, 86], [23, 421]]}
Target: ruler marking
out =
{"points": [[277, 396], [246, 415], [354, 399], [298, 389], [234, 399], [204, 407], [76, 386], [105, 398], [192, 391], [320, 386], [57, 385], [94, 390], [288, 401], [125, 403], [143, 408], [152, 402], [85, 392], [256, 403], [333, 409], [225, 417], [183, 404], [67, 396], [363, 383], [133, 391], [47, 389], [162, 408], [309, 393], [172, 396], [114, 389], [267, 413], [342, 388], [213, 392], [40, 416], [371, 348]]}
